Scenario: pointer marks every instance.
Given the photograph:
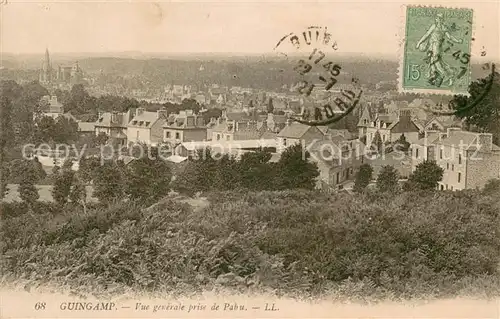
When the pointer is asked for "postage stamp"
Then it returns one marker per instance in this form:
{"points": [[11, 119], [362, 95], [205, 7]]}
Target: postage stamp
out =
{"points": [[327, 92], [437, 50]]}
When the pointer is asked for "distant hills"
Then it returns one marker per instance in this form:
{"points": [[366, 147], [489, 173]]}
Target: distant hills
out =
{"points": [[266, 70]]}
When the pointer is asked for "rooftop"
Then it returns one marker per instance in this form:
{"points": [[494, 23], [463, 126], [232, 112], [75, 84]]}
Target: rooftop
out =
{"points": [[145, 119]]}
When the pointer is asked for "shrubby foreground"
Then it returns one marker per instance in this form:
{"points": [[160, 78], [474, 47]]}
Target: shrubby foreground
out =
{"points": [[288, 243]]}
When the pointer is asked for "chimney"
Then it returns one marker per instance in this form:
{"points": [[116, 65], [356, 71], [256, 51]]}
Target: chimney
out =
{"points": [[130, 114], [486, 141], [162, 113], [114, 117], [139, 111], [224, 114], [190, 120]]}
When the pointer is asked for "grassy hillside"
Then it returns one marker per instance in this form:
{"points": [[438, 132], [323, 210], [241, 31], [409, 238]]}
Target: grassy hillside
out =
{"points": [[292, 243]]}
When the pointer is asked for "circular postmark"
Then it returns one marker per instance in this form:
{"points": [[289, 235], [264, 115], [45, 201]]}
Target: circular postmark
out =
{"points": [[326, 92]]}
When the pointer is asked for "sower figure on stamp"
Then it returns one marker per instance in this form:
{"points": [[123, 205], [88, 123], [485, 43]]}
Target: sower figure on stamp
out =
{"points": [[432, 42]]}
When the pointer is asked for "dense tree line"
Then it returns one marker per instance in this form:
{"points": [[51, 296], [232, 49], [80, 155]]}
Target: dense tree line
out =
{"points": [[252, 171], [426, 177], [85, 106]]}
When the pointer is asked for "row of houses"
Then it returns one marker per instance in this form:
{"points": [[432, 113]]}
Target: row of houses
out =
{"points": [[469, 159], [237, 133]]}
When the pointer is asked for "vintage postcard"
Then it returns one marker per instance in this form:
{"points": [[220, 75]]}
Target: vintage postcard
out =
{"points": [[249, 159]]}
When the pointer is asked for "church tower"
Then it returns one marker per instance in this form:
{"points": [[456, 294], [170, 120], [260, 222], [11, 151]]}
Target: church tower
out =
{"points": [[46, 71]]}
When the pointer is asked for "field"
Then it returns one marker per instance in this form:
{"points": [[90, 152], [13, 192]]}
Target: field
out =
{"points": [[295, 244]]}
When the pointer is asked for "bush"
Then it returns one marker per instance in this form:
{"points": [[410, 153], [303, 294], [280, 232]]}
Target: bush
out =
{"points": [[294, 242]]}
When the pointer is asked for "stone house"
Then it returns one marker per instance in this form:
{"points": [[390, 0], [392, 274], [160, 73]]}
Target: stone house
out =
{"points": [[469, 159]]}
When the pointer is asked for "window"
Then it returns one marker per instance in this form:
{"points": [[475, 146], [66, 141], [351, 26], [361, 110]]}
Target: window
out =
{"points": [[447, 165], [459, 177], [416, 153], [459, 158], [446, 186], [441, 154], [218, 137], [442, 187], [284, 142], [451, 187], [168, 134], [137, 135], [177, 136], [228, 137], [452, 167], [337, 178]]}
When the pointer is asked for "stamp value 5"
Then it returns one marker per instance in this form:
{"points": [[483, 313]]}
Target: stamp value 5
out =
{"points": [[437, 50]]}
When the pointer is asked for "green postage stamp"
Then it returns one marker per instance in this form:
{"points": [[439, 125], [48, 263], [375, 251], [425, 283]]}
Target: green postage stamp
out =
{"points": [[437, 50]]}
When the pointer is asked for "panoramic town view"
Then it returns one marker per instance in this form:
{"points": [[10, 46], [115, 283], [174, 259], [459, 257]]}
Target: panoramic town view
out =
{"points": [[190, 170]]}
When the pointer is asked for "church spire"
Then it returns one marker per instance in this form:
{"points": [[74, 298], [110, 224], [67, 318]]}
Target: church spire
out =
{"points": [[47, 58]]}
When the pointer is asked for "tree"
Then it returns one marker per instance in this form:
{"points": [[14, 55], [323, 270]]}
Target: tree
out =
{"points": [[4, 177], [108, 182], [402, 144], [377, 141], [18, 167], [62, 186], [78, 193], [65, 130], [294, 170], [188, 180], [199, 173], [255, 172], [86, 168], [227, 175], [485, 116], [5, 137], [387, 180], [426, 176], [270, 106], [148, 179], [79, 101], [27, 189], [45, 129], [363, 177]]}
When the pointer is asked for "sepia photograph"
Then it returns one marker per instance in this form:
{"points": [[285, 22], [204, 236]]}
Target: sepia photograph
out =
{"points": [[250, 159]]}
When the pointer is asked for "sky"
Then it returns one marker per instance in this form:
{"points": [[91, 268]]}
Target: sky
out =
{"points": [[369, 27]]}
